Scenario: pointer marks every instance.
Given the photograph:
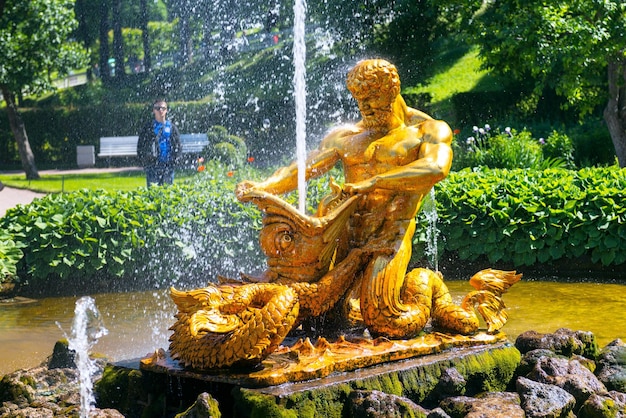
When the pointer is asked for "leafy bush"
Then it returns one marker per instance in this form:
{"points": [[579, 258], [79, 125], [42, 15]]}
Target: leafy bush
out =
{"points": [[151, 236], [80, 233], [510, 149], [558, 146], [530, 216], [189, 233], [10, 255], [225, 148], [186, 234]]}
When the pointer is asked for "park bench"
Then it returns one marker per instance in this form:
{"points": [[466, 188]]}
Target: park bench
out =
{"points": [[193, 143], [126, 146], [118, 146]]}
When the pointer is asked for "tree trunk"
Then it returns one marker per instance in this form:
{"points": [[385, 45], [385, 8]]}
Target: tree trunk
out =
{"points": [[145, 36], [19, 133], [118, 40], [615, 111], [105, 71]]}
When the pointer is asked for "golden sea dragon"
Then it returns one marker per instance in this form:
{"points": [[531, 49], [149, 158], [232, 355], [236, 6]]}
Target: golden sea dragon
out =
{"points": [[241, 323]]}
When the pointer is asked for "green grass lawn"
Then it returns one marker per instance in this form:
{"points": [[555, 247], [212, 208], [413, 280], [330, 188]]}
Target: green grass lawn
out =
{"points": [[463, 75], [56, 183]]}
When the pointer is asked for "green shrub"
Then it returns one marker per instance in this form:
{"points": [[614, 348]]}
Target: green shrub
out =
{"points": [[510, 149], [89, 233], [185, 233], [531, 216], [498, 149], [558, 146], [225, 148], [189, 233], [10, 255]]}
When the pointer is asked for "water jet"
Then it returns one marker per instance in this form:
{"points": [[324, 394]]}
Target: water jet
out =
{"points": [[87, 328]]}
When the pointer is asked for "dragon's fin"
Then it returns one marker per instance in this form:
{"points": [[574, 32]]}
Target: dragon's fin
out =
{"points": [[495, 281], [203, 321], [490, 306]]}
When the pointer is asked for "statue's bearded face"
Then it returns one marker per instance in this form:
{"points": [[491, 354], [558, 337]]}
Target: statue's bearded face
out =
{"points": [[376, 109], [375, 85]]}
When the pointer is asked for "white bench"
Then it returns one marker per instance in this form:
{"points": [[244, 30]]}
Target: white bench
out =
{"points": [[193, 143], [126, 146], [118, 146]]}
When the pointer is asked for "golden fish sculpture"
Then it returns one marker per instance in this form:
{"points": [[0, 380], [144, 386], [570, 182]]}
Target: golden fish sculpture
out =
{"points": [[241, 323]]}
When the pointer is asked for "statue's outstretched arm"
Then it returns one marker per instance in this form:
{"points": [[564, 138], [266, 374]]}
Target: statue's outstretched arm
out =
{"points": [[285, 179]]}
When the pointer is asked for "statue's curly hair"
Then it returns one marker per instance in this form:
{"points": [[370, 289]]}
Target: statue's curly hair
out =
{"points": [[373, 74]]}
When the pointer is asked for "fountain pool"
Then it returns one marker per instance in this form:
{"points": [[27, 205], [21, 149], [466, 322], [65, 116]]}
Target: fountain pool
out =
{"points": [[138, 321]]}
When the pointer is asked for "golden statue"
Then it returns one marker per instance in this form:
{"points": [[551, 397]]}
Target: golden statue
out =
{"points": [[352, 256]]}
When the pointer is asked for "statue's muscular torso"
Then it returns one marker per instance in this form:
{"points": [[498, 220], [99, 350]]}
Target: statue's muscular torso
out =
{"points": [[366, 154]]}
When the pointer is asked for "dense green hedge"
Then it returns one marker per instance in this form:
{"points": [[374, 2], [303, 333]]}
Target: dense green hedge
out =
{"points": [[187, 234], [150, 236], [526, 217]]}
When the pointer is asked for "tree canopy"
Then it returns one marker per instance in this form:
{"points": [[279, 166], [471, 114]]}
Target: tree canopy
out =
{"points": [[575, 47], [35, 45]]}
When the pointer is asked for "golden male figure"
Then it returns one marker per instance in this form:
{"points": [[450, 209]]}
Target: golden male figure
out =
{"points": [[391, 158], [358, 250]]}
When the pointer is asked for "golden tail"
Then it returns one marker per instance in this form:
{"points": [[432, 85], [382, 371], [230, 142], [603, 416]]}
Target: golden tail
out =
{"points": [[490, 306], [490, 284], [495, 281], [221, 326]]}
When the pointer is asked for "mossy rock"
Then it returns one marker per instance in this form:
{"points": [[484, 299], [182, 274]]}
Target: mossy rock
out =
{"points": [[563, 341], [378, 404], [20, 391], [205, 407], [122, 389], [253, 404], [612, 366], [489, 369], [598, 405], [62, 356]]}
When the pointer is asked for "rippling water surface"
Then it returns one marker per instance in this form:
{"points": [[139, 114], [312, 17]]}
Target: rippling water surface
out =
{"points": [[545, 306], [138, 322]]}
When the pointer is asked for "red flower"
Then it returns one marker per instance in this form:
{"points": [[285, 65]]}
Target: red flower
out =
{"points": [[250, 159], [200, 168], [457, 131], [230, 174]]}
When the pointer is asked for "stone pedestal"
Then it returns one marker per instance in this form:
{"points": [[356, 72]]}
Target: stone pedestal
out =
{"points": [[168, 389]]}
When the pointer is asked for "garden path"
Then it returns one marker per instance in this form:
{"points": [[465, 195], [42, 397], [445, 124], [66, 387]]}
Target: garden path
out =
{"points": [[11, 197]]}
